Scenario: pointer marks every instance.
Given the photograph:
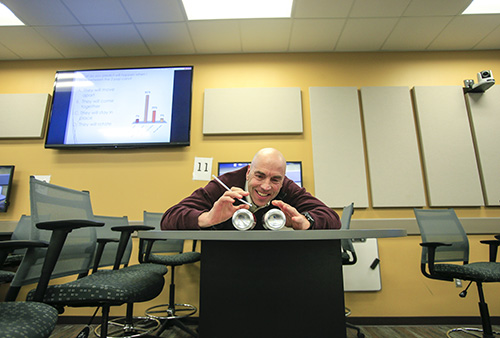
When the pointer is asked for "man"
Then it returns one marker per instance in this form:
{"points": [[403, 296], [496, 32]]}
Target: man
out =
{"points": [[264, 185]]}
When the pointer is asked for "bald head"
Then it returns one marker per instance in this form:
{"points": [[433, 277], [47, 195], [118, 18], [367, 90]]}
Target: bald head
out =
{"points": [[269, 157]]}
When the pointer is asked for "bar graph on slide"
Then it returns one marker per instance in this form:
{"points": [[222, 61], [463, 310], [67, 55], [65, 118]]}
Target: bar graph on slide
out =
{"points": [[145, 118]]}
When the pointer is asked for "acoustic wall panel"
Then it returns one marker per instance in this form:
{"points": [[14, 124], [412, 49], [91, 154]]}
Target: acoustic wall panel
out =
{"points": [[484, 112], [337, 142], [449, 160], [23, 115], [392, 147], [252, 111]]}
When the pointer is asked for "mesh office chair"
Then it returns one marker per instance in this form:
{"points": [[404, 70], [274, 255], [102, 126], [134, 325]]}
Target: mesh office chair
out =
{"points": [[169, 253], [443, 241], [25, 319], [64, 217], [348, 255], [109, 250]]}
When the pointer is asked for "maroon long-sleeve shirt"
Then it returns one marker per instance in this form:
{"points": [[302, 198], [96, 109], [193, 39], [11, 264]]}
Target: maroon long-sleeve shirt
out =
{"points": [[184, 215]]}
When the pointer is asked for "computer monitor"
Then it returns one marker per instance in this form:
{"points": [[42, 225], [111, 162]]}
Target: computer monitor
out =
{"points": [[293, 169], [6, 174]]}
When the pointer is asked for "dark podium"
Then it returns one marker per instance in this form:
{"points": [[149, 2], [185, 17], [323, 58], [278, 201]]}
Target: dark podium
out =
{"points": [[272, 283]]}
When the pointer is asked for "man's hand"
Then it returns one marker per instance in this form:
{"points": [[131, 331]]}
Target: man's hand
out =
{"points": [[223, 209], [294, 219]]}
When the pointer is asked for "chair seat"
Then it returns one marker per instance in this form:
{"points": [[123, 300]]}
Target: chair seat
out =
{"points": [[150, 268], [478, 271], [42, 319], [126, 285], [177, 259]]}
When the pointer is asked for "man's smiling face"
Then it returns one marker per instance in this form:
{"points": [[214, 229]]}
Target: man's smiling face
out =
{"points": [[265, 177]]}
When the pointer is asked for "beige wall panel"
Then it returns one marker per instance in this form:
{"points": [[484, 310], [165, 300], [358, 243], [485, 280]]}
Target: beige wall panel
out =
{"points": [[449, 161], [337, 142], [484, 110], [392, 147], [252, 111], [23, 115]]}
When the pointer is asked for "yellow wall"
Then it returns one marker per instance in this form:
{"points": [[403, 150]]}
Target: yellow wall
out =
{"points": [[163, 176]]}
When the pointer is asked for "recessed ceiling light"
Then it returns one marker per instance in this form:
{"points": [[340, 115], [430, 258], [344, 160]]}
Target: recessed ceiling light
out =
{"points": [[237, 9], [7, 18], [483, 7]]}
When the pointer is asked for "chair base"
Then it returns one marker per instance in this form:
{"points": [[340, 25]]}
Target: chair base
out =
{"points": [[122, 328], [349, 325], [165, 311], [470, 331]]}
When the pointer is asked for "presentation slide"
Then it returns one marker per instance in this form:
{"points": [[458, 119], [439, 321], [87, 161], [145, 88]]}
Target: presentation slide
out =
{"points": [[120, 106]]}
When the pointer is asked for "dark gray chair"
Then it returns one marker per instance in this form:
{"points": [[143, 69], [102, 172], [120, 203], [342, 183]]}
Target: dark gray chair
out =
{"points": [[348, 255], [63, 217], [25, 319], [114, 252], [169, 253], [445, 256]]}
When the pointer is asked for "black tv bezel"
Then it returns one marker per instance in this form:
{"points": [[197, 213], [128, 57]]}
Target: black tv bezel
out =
{"points": [[9, 186], [247, 163], [106, 146]]}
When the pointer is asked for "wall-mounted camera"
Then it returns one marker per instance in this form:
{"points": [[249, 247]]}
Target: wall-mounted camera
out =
{"points": [[484, 81]]}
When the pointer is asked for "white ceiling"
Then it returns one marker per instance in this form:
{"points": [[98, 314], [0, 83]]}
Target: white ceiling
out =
{"points": [[59, 29]]}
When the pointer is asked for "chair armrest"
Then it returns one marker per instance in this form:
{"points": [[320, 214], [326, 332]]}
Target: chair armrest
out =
{"points": [[126, 232], [493, 247], [68, 225], [8, 246], [431, 254]]}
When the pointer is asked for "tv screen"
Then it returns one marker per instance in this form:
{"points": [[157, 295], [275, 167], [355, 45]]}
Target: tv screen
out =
{"points": [[293, 169], [121, 108], [6, 173]]}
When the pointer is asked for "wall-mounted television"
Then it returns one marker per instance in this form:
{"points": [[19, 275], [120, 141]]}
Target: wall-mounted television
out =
{"points": [[121, 108], [293, 169], [6, 174]]}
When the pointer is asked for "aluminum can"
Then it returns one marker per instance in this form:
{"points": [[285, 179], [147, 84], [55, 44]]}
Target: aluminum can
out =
{"points": [[243, 220], [274, 219]]}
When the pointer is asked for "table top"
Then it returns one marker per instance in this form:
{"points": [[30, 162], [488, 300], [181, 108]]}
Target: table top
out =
{"points": [[268, 235]]}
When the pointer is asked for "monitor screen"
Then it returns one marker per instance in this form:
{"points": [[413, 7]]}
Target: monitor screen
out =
{"points": [[121, 108], [6, 173], [293, 169]]}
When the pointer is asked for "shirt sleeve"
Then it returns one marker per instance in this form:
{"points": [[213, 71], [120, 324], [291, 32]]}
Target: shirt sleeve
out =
{"points": [[324, 216]]}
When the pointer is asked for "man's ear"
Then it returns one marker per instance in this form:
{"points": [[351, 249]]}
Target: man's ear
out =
{"points": [[248, 173]]}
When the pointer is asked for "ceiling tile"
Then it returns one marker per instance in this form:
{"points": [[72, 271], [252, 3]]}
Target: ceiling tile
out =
{"points": [[118, 40], [144, 11], [167, 38], [36, 13], [378, 8], [6, 54], [265, 35], [365, 34], [89, 12], [322, 8], [32, 45], [71, 41], [491, 41], [221, 36], [436, 7], [415, 33], [319, 35], [465, 31]]}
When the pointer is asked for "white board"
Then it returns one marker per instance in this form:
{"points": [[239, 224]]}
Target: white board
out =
{"points": [[23, 115], [361, 276], [337, 142], [252, 111]]}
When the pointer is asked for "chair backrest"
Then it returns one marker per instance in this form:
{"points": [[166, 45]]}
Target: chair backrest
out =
{"points": [[49, 203], [162, 246], [346, 244], [22, 231], [445, 227], [109, 253]]}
